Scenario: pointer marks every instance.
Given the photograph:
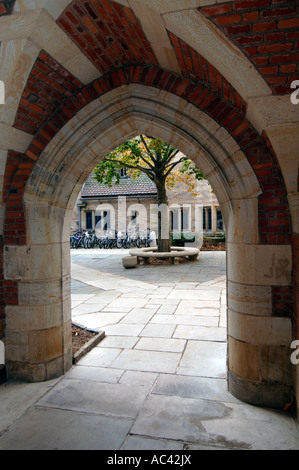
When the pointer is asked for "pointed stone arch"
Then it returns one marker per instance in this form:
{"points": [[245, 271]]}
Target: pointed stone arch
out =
{"points": [[38, 332]]}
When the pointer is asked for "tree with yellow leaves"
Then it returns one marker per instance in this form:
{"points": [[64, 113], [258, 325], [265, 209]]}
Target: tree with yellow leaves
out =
{"points": [[161, 162]]}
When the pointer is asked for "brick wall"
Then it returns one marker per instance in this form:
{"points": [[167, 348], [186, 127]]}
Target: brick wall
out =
{"points": [[17, 172], [267, 33], [274, 215], [108, 33], [196, 68], [48, 86], [275, 220]]}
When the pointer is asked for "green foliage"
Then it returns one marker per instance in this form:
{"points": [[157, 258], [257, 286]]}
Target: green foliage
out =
{"points": [[189, 168], [182, 237], [155, 158], [158, 160]]}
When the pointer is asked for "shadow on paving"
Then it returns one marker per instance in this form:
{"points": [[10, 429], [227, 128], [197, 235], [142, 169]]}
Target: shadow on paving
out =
{"points": [[158, 379]]}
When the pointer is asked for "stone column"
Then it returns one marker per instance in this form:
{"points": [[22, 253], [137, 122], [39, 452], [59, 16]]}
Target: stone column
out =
{"points": [[259, 366], [214, 219], [38, 322], [38, 310]]}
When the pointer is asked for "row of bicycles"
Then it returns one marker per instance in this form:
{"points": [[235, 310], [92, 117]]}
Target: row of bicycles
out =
{"points": [[110, 239]]}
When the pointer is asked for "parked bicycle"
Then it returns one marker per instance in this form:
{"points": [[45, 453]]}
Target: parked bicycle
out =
{"points": [[108, 239], [77, 240], [145, 237]]}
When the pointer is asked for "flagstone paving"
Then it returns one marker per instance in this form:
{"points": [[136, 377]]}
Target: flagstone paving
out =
{"points": [[158, 379]]}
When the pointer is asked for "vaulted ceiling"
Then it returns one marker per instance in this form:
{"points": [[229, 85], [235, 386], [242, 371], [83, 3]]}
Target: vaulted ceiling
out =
{"points": [[112, 35], [266, 31]]}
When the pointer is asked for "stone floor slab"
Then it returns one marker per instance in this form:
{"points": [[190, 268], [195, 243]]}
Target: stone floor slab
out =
{"points": [[16, 397], [124, 329], [100, 357], [84, 308], [198, 294], [202, 333], [99, 374], [246, 424], [193, 387], [133, 377], [132, 302], [159, 417], [111, 399], [138, 443], [51, 429], [98, 320], [158, 330], [204, 359], [105, 296], [139, 315], [194, 307], [167, 309], [121, 342], [161, 344], [147, 361], [185, 320]]}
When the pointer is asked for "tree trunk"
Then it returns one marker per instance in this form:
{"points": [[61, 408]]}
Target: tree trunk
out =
{"points": [[163, 218]]}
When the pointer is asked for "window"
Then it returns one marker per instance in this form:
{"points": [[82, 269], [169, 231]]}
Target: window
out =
{"points": [[174, 220], [89, 220], [180, 219], [219, 220], [134, 217], [103, 221], [98, 219], [106, 220], [207, 219], [123, 172], [185, 222]]}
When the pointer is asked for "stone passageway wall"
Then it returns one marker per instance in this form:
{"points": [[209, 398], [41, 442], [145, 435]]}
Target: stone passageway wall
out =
{"points": [[215, 85]]}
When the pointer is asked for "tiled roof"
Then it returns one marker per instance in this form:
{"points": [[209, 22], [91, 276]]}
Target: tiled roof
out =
{"points": [[127, 187]]}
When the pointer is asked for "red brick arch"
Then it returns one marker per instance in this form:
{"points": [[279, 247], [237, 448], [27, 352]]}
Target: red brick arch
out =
{"points": [[61, 96], [228, 111], [112, 37]]}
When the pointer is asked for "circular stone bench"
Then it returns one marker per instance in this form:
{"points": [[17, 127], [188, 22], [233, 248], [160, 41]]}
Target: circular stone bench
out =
{"points": [[176, 252], [130, 262]]}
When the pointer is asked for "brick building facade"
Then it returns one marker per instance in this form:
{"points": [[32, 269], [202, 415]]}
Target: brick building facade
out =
{"points": [[101, 207]]}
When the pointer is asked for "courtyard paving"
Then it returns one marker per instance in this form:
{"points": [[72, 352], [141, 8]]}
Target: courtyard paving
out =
{"points": [[158, 379]]}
